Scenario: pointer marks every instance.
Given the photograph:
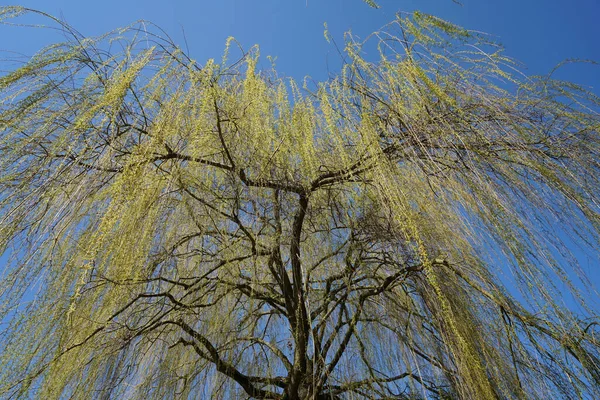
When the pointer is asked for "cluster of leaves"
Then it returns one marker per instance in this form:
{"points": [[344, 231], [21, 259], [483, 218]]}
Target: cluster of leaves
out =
{"points": [[216, 231], [371, 3]]}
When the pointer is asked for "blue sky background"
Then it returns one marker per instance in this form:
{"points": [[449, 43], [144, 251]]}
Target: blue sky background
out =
{"points": [[539, 34]]}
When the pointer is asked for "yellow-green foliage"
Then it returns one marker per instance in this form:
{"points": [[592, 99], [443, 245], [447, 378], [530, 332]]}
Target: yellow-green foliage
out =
{"points": [[186, 231]]}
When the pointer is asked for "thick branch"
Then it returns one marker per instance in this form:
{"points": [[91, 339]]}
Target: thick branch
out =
{"points": [[302, 328], [212, 354]]}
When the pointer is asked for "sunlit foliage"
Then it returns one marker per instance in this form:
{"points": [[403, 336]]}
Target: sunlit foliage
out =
{"points": [[178, 230]]}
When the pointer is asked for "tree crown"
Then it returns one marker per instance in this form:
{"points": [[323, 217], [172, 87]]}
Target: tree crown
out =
{"points": [[219, 230]]}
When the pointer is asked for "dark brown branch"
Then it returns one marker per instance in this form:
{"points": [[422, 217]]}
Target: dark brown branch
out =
{"points": [[302, 328], [245, 381]]}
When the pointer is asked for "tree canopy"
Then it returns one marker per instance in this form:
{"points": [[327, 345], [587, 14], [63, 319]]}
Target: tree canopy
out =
{"points": [[403, 230]]}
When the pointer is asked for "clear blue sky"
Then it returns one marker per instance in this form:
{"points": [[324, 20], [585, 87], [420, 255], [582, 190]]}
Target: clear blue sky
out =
{"points": [[540, 34]]}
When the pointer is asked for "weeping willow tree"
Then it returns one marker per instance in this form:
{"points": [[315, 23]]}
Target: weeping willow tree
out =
{"points": [[404, 230]]}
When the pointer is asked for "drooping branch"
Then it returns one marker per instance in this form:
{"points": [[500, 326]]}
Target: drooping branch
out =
{"points": [[191, 224]]}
